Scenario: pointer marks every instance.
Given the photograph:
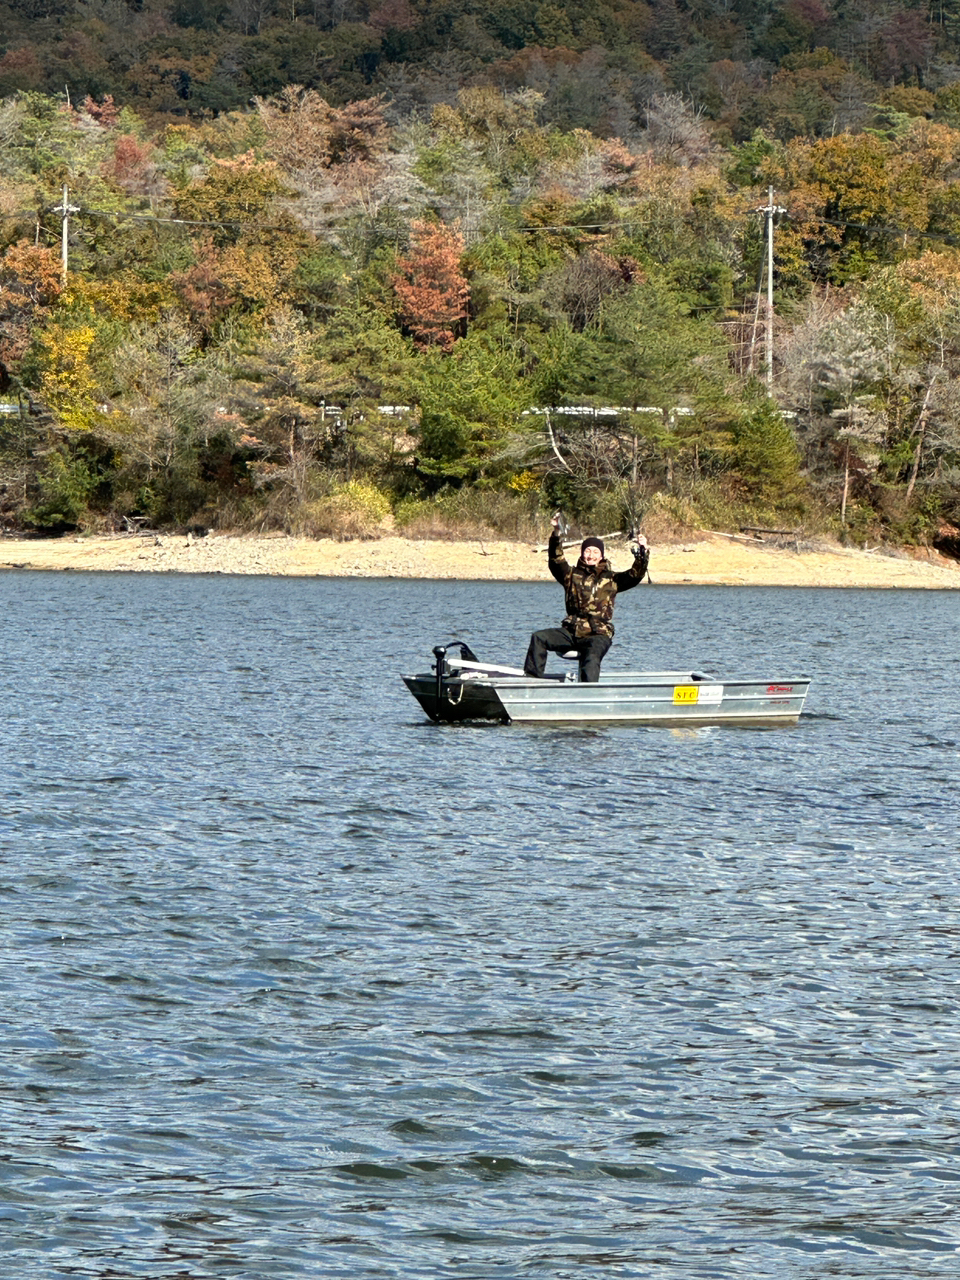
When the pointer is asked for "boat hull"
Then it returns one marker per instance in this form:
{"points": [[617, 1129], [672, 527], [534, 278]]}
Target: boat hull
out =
{"points": [[632, 700], [643, 698], [459, 700]]}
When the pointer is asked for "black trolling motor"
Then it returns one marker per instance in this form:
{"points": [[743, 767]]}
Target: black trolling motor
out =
{"points": [[440, 654]]}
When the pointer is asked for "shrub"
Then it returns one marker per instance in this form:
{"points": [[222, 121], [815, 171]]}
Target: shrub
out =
{"points": [[471, 513], [356, 509]]}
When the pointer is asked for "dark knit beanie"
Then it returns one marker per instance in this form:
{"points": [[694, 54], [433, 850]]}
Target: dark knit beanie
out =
{"points": [[591, 542]]}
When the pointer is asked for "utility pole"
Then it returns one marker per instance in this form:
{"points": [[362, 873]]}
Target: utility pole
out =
{"points": [[65, 211], [770, 210]]}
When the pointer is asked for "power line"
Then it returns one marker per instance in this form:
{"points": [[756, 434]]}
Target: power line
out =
{"points": [[627, 224]]}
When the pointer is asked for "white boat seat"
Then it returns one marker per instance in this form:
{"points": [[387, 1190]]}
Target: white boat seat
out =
{"points": [[570, 656]]}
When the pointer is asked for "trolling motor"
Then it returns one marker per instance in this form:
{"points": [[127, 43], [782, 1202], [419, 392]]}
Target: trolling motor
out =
{"points": [[440, 654]]}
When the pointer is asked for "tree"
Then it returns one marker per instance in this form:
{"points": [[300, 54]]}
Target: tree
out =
{"points": [[765, 452], [850, 197], [677, 132], [29, 286], [661, 370], [469, 402], [68, 384], [835, 365], [290, 400], [245, 249], [431, 291], [922, 296], [589, 281], [304, 132], [153, 369]]}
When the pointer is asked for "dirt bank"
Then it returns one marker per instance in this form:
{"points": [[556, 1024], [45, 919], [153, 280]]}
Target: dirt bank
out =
{"points": [[710, 560]]}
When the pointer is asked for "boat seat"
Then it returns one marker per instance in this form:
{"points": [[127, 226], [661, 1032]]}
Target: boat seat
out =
{"points": [[570, 656]]}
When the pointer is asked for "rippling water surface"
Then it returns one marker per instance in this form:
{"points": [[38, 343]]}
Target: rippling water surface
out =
{"points": [[294, 983]]}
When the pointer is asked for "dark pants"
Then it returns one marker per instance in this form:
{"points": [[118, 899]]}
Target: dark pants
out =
{"points": [[590, 651]]}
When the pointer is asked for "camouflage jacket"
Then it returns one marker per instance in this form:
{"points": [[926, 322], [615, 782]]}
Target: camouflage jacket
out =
{"points": [[591, 592]]}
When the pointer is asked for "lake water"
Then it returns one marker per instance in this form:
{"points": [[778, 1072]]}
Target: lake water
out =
{"points": [[294, 983]]}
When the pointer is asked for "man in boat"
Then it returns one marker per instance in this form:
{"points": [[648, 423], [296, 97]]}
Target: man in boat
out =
{"points": [[591, 588]]}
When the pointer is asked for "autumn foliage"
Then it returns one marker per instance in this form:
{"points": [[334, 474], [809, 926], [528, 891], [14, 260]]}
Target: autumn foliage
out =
{"points": [[29, 286], [430, 287], [549, 293]]}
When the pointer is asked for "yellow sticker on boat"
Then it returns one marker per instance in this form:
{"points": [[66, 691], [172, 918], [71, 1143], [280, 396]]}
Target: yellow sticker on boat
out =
{"points": [[686, 692]]}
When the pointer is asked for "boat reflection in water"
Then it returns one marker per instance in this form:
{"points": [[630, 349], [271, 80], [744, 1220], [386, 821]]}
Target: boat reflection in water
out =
{"points": [[460, 687]]}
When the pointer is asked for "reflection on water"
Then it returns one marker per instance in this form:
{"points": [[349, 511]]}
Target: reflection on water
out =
{"points": [[297, 983]]}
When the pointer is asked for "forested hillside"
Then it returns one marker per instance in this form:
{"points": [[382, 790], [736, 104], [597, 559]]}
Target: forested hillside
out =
{"points": [[452, 266]]}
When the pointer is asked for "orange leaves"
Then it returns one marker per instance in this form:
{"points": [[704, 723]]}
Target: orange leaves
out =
{"points": [[29, 275], [250, 248], [29, 286], [105, 113], [202, 289], [131, 167], [305, 132], [432, 292]]}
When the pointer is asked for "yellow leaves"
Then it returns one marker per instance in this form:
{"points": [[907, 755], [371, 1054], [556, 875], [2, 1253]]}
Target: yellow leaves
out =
{"points": [[447, 120], [67, 381], [869, 179], [933, 277], [933, 148], [249, 273], [863, 195], [849, 173], [239, 193], [525, 482], [124, 297]]}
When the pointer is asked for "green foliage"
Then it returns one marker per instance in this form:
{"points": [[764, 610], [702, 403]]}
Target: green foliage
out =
{"points": [[62, 490], [232, 337], [40, 140], [318, 280], [766, 454], [749, 161], [654, 352], [469, 401]]}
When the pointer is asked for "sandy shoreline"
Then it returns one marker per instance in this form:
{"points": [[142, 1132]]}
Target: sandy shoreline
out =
{"points": [[706, 560]]}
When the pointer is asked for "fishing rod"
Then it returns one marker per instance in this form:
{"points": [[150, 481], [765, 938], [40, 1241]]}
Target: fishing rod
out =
{"points": [[633, 536]]}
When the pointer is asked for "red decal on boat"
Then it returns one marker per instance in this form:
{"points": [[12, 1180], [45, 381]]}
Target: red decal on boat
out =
{"points": [[779, 688]]}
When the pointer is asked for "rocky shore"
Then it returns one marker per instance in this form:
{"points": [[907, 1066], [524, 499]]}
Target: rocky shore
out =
{"points": [[703, 560]]}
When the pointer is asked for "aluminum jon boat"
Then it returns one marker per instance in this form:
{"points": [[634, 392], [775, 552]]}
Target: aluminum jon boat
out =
{"points": [[460, 687]]}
